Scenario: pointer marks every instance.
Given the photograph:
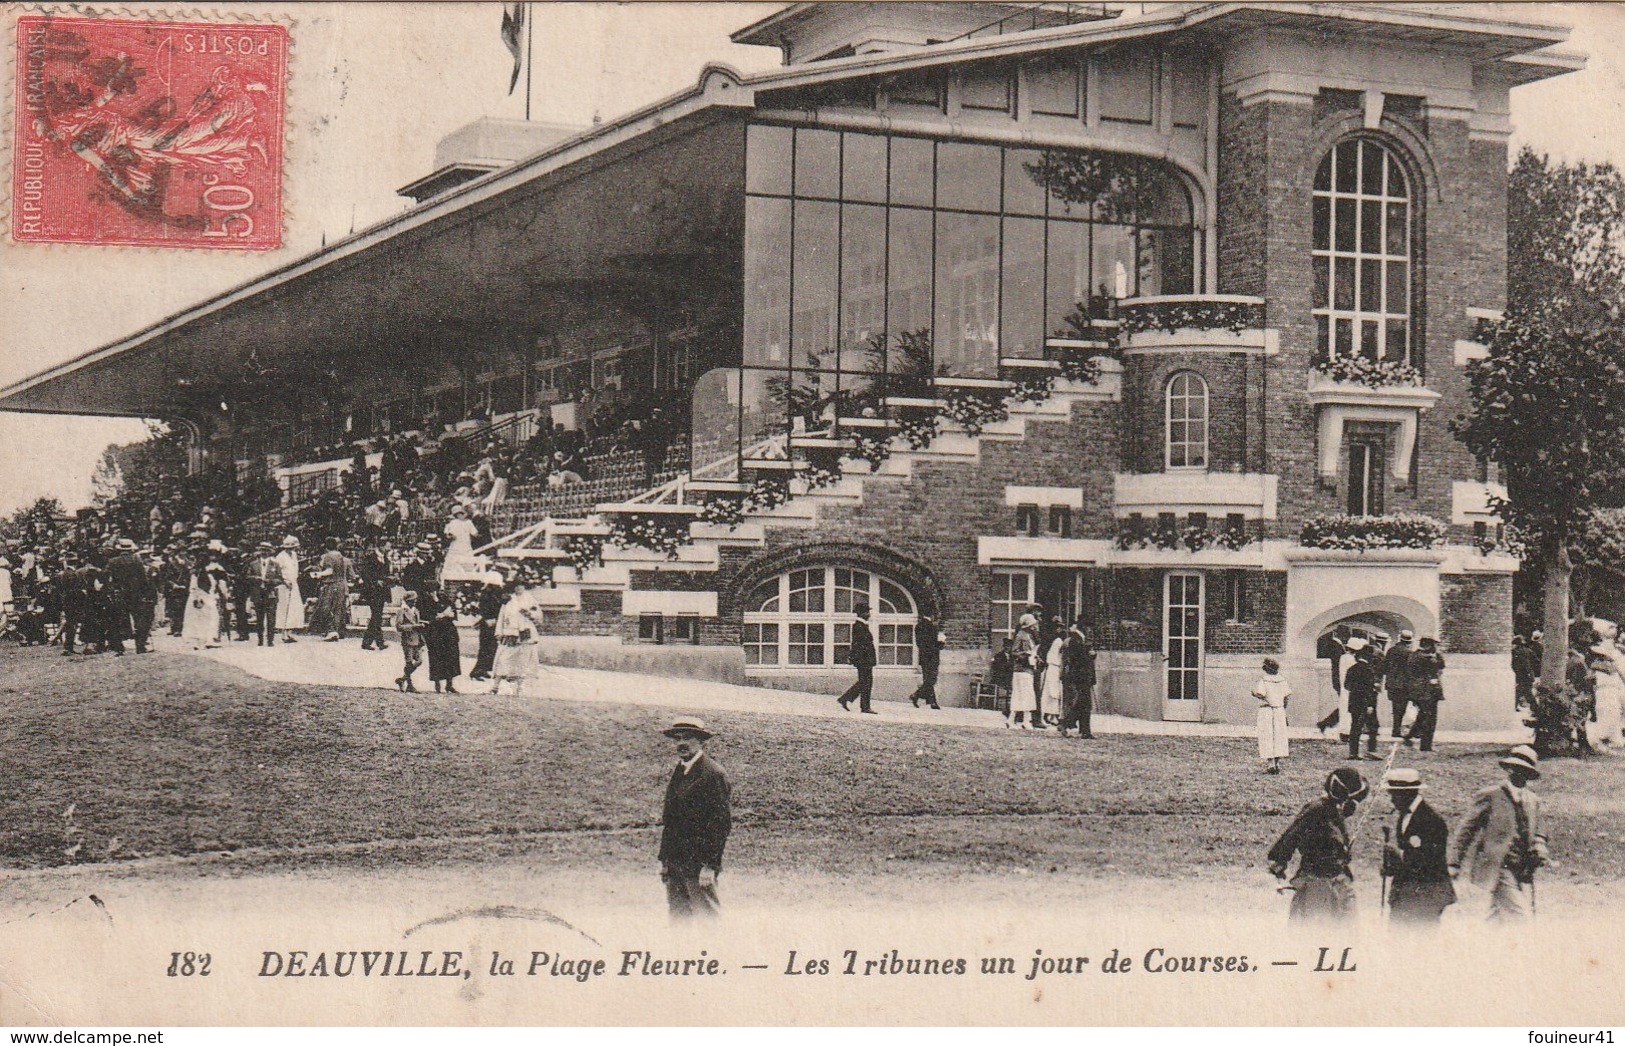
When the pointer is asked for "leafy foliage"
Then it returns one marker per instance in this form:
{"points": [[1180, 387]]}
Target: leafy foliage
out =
{"points": [[1373, 374], [586, 551], [655, 531], [1359, 533], [1196, 314]]}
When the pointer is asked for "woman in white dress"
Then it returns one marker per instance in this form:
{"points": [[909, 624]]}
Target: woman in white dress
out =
{"points": [[1023, 660], [1273, 693], [201, 626], [290, 606], [1049, 703], [1610, 687], [516, 642], [460, 533]]}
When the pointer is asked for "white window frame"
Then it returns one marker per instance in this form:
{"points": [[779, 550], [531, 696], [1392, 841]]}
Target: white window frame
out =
{"points": [[893, 630], [1187, 447], [1330, 255], [1004, 608]]}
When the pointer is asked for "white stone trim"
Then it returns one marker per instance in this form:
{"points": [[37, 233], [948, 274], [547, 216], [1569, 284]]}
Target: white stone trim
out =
{"points": [[1492, 315], [1216, 493], [637, 602], [1342, 402], [1470, 502], [1470, 351], [1265, 342], [1044, 497], [992, 551]]}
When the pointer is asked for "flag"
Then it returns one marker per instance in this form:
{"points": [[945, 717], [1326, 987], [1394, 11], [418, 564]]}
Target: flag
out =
{"points": [[513, 24]]}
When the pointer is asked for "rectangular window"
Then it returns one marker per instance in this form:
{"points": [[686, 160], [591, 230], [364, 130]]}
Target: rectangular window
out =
{"points": [[912, 172], [767, 281], [909, 275], [767, 159], [863, 168], [1027, 520], [1365, 478], [894, 645], [863, 282], [1021, 315], [1060, 521], [1055, 87], [684, 628], [1023, 194], [969, 176], [920, 90], [842, 635], [1190, 92], [1012, 591], [990, 90], [966, 331], [818, 163], [1068, 287], [649, 629], [761, 644], [806, 644], [1239, 607], [1127, 80], [817, 235]]}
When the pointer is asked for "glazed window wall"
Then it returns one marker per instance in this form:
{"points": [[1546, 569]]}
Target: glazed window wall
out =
{"points": [[873, 262]]}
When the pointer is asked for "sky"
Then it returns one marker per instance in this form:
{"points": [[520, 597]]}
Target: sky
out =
{"points": [[373, 87]]}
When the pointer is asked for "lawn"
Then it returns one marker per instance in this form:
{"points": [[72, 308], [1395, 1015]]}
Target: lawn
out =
{"points": [[170, 755]]}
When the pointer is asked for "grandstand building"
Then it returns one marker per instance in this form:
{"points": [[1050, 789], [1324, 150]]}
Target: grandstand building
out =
{"points": [[1134, 313]]}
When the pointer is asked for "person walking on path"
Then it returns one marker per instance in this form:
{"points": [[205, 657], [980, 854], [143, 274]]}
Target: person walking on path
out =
{"points": [[410, 625], [1427, 690], [1396, 676], [861, 656], [1499, 844], [1360, 682], [1524, 671], [265, 581], [1415, 857], [132, 593], [514, 634], [928, 644], [290, 607], [373, 571], [695, 821], [1272, 693], [1024, 664], [333, 600], [1051, 691], [491, 600], [1077, 681], [441, 638], [1323, 885], [202, 627]]}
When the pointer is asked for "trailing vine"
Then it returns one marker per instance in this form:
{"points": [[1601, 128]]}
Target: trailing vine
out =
{"points": [[586, 551], [873, 447], [1197, 314], [1373, 374], [767, 494], [723, 511], [918, 428], [975, 409], [1033, 386]]}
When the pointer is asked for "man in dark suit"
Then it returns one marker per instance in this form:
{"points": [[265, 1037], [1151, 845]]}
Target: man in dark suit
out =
{"points": [[695, 824], [928, 644], [1077, 681], [861, 656], [1396, 676], [373, 569], [490, 605], [71, 586], [132, 595], [265, 589], [1416, 857], [1360, 682]]}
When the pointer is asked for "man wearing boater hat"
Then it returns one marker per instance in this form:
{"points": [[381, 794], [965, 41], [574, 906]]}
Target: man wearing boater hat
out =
{"points": [[1414, 856], [696, 822], [1323, 886], [1499, 843]]}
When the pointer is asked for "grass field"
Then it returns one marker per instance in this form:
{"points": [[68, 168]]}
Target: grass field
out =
{"points": [[172, 755]]}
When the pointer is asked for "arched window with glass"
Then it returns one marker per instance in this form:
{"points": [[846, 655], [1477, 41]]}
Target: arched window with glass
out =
{"points": [[803, 618], [1185, 432], [1363, 253]]}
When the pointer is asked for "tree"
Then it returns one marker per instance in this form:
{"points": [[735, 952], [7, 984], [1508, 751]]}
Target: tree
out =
{"points": [[34, 524], [1548, 403]]}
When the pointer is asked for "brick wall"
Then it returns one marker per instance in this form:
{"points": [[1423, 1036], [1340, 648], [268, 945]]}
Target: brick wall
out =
{"points": [[1264, 630], [1145, 407], [1476, 614]]}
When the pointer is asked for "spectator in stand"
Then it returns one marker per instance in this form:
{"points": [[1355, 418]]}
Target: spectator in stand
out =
{"points": [[460, 532]]}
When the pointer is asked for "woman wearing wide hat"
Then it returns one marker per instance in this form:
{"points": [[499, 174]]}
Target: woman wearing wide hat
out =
{"points": [[1323, 885]]}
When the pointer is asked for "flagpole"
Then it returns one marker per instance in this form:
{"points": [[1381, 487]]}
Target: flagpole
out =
{"points": [[530, 32]]}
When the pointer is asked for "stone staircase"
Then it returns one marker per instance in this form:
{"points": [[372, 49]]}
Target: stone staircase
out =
{"points": [[805, 510]]}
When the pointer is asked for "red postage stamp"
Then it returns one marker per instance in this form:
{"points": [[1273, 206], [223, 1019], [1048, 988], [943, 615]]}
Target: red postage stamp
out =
{"points": [[149, 133]]}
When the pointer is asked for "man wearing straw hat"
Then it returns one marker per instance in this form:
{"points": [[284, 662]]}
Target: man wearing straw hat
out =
{"points": [[1499, 844], [1415, 856], [1323, 886], [696, 820]]}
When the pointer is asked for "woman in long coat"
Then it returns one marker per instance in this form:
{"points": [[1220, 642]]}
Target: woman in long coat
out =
{"points": [[1024, 660], [201, 626], [1050, 701], [333, 603], [290, 604], [440, 633]]}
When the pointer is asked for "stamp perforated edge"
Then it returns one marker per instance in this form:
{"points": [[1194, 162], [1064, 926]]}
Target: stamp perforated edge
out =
{"points": [[9, 102]]}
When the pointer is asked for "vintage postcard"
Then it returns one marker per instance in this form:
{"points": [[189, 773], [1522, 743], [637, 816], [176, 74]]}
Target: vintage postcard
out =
{"points": [[812, 514]]}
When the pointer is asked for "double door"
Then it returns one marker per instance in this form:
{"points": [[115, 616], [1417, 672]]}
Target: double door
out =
{"points": [[1182, 625]]}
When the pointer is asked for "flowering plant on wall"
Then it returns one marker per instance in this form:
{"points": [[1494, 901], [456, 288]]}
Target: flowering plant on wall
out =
{"points": [[976, 409], [1081, 365], [1136, 532], [1359, 533], [918, 427], [1195, 314], [871, 446], [586, 551], [1032, 387], [1236, 536], [1373, 374], [723, 510], [655, 531], [767, 494]]}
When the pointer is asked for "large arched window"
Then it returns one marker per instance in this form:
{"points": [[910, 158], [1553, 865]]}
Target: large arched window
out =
{"points": [[1185, 434], [1363, 252], [804, 618]]}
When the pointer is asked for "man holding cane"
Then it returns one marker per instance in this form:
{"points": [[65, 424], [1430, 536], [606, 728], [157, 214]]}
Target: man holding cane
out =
{"points": [[1500, 844], [1414, 857]]}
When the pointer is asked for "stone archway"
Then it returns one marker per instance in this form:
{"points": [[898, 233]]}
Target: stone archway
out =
{"points": [[1387, 614]]}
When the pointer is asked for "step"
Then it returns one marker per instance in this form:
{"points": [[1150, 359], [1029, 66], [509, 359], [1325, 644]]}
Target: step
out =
{"points": [[995, 384]]}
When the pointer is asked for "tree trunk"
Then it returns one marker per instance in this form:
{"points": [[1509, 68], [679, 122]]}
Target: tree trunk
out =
{"points": [[1554, 659]]}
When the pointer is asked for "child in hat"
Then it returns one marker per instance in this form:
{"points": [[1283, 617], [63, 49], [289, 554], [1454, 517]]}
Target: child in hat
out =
{"points": [[1272, 693], [410, 625]]}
